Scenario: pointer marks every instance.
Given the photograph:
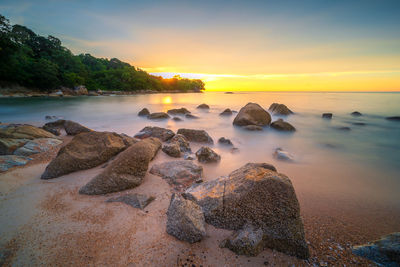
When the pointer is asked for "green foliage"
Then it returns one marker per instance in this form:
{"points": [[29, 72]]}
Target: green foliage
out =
{"points": [[38, 62]]}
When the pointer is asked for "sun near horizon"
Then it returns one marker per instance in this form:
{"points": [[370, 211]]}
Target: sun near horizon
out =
{"points": [[234, 46]]}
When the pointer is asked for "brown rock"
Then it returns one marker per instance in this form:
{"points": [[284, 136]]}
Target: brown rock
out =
{"points": [[200, 136], [282, 125], [252, 114], [280, 109], [24, 132], [158, 132]]}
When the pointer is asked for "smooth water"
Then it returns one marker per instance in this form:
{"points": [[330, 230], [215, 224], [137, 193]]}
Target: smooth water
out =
{"points": [[361, 165]]}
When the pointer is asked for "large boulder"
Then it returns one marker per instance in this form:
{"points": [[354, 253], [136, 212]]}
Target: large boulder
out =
{"points": [[385, 251], [9, 161], [179, 173], [185, 220], [177, 111], [200, 136], [9, 145], [24, 132], [158, 116], [158, 132], [126, 171], [258, 195], [207, 155], [85, 151], [37, 146], [282, 125], [252, 114], [279, 109]]}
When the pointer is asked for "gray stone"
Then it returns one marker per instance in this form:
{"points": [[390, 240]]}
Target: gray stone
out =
{"points": [[207, 155], [178, 111], [9, 161], [226, 112], [327, 115], [37, 146], [177, 119], [144, 112], [225, 141], [190, 116], [356, 114], [138, 201], [157, 132], [280, 154]]}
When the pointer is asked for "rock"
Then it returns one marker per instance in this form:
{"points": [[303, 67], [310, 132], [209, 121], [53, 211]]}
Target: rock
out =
{"points": [[207, 155], [283, 155], [185, 220], [327, 115], [172, 150], [48, 117], [70, 127], [181, 140], [255, 194], [229, 93], [356, 114], [126, 171], [225, 141], [144, 112], [9, 161], [177, 119], [189, 156], [138, 201], [179, 173], [9, 145], [200, 136], [394, 118], [203, 106], [158, 116], [359, 123], [24, 132], [190, 116], [252, 128], [252, 114], [247, 241], [343, 128], [85, 151], [37, 146], [177, 111], [93, 93], [56, 94], [226, 112], [80, 90], [158, 132], [280, 109], [385, 251], [282, 125]]}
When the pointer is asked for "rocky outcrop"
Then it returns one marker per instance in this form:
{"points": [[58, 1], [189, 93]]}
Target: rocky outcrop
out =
{"points": [[225, 141], [85, 151], [172, 150], [180, 173], [144, 112], [9, 145], [207, 155], [252, 128], [356, 114], [70, 127], [126, 171], [255, 194], [385, 251], [24, 132], [178, 111], [279, 109], [138, 201], [157, 132], [185, 220], [252, 114], [226, 112], [199, 136], [283, 155], [203, 106], [158, 116], [183, 143], [37, 146], [80, 90], [327, 115], [282, 125], [9, 161]]}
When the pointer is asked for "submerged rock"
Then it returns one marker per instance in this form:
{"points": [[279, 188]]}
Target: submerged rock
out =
{"points": [[282, 125], [24, 132], [85, 151], [180, 173], [226, 112], [158, 116], [183, 143], [177, 119], [158, 132], [207, 155], [225, 141], [385, 251], [9, 161], [255, 194], [327, 115], [356, 114], [176, 111], [126, 171], [185, 220], [200, 136], [283, 155], [359, 123], [343, 128], [394, 118], [37, 146], [9, 145], [279, 109], [138, 201], [172, 150], [252, 114], [203, 106], [252, 128], [144, 112], [190, 116]]}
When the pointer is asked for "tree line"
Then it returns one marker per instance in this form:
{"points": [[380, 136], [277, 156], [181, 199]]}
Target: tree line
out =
{"points": [[41, 63]]}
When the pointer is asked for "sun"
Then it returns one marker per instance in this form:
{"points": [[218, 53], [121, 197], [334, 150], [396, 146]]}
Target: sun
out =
{"points": [[167, 100]]}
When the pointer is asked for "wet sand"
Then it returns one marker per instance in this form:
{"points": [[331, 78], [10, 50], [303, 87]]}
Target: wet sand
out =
{"points": [[46, 222]]}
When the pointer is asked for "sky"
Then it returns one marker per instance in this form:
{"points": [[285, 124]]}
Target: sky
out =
{"points": [[319, 45]]}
